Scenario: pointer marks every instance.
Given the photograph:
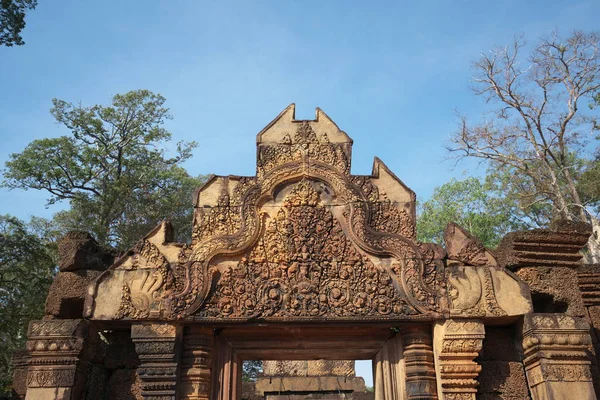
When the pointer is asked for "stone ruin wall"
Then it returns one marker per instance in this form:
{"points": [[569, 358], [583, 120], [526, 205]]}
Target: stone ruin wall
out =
{"points": [[522, 322]]}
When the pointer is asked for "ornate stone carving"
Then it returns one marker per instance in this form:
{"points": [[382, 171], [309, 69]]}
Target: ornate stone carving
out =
{"points": [[55, 348], [156, 346], [196, 363], [471, 292], [347, 250], [555, 348], [463, 247], [304, 266], [461, 342]]}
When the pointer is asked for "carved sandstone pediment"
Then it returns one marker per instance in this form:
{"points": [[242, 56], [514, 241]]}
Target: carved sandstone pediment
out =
{"points": [[302, 240]]}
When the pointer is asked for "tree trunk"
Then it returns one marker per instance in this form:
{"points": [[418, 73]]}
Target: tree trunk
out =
{"points": [[593, 245]]}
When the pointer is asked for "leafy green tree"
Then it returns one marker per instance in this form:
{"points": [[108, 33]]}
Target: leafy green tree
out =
{"points": [[250, 370], [26, 271], [532, 136], [471, 203], [113, 169], [12, 20]]}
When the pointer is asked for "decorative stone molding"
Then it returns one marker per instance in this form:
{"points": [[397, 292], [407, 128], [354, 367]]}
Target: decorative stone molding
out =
{"points": [[56, 368], [460, 344], [419, 363], [556, 360], [157, 346], [588, 278], [558, 247], [196, 363]]}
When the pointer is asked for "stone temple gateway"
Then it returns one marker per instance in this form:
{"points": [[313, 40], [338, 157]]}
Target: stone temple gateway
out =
{"points": [[305, 261]]}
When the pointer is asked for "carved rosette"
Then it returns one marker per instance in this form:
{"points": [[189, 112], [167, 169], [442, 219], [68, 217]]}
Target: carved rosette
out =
{"points": [[55, 348], [461, 343], [418, 358], [156, 345], [556, 354]]}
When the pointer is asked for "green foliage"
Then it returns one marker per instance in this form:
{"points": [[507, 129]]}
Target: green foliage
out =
{"points": [[250, 370], [26, 271], [12, 20], [473, 205], [589, 185], [531, 136], [113, 169]]}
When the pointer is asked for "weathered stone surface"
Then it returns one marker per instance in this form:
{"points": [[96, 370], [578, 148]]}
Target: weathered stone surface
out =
{"points": [[502, 380], [58, 365], [311, 384], [556, 361], [124, 384], [79, 250], [309, 379], [589, 286], [19, 382], [464, 247], [67, 293], [308, 368], [457, 343], [500, 344], [544, 247], [553, 289]]}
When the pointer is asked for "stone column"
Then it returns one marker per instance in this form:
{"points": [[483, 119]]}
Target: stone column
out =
{"points": [[56, 368], [556, 361], [457, 344], [196, 363], [389, 372], [157, 346], [227, 371], [418, 359]]}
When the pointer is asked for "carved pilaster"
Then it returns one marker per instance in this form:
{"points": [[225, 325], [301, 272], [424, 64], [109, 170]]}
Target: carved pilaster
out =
{"points": [[459, 345], [196, 363], [55, 367], [556, 361], [418, 358], [157, 346]]}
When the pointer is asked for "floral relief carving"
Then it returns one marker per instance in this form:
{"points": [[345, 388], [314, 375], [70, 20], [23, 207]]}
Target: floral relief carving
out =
{"points": [[304, 266]]}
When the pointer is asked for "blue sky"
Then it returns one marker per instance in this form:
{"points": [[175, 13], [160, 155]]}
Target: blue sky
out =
{"points": [[390, 73]]}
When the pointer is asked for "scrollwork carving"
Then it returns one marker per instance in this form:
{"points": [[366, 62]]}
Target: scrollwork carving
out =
{"points": [[304, 266]]}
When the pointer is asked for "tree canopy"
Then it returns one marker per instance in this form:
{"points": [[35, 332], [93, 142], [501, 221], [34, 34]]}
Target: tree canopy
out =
{"points": [[12, 20], [537, 137], [26, 271], [474, 205], [113, 169]]}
